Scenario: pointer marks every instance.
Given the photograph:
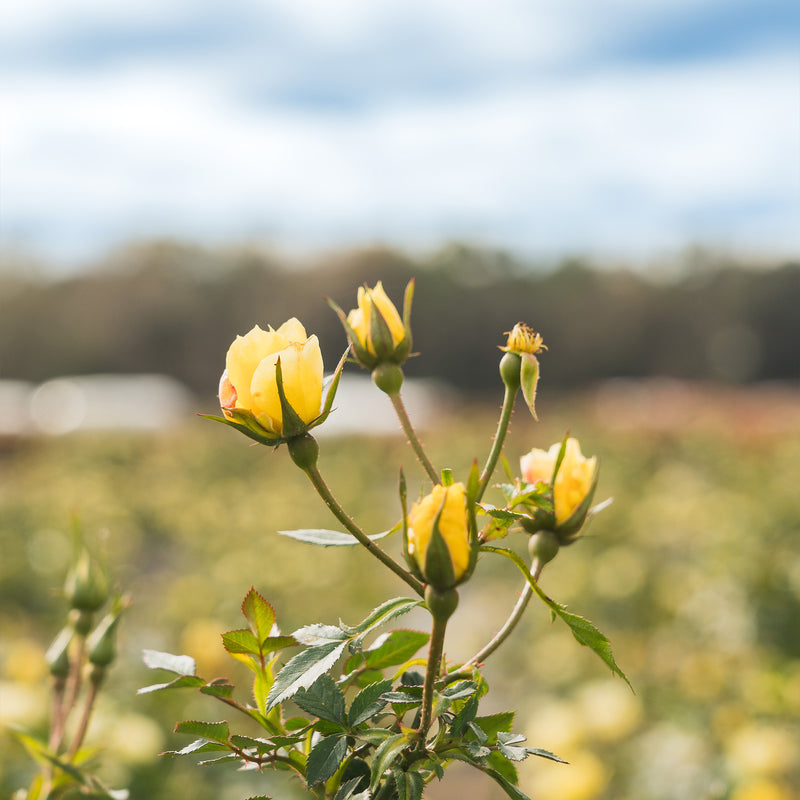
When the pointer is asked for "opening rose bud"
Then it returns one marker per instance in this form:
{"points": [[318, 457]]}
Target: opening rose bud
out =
{"points": [[377, 332], [250, 381], [438, 538], [574, 483]]}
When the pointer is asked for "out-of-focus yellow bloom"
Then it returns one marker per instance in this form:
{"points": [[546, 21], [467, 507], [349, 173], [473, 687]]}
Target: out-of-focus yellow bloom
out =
{"points": [[438, 536], [762, 790], [574, 481], [250, 383]]}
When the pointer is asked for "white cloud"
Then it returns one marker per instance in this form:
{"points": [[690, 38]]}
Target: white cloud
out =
{"points": [[612, 159]]}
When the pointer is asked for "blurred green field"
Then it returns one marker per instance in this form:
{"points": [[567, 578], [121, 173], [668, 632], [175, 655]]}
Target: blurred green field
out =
{"points": [[693, 573]]}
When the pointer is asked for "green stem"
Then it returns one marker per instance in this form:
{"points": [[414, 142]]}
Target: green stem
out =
{"points": [[441, 604], [499, 439], [325, 493], [91, 696], [413, 439], [505, 631]]}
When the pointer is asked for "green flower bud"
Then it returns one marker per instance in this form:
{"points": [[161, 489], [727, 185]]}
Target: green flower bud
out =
{"points": [[86, 586], [101, 644], [57, 655]]}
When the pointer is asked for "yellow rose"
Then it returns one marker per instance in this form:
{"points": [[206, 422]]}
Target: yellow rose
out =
{"points": [[440, 517], [575, 479], [249, 383]]}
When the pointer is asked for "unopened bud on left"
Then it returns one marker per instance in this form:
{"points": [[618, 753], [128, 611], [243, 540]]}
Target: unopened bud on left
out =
{"points": [[86, 586]]}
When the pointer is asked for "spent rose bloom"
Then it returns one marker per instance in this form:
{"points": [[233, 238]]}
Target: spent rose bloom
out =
{"points": [[249, 384], [573, 488], [438, 536]]}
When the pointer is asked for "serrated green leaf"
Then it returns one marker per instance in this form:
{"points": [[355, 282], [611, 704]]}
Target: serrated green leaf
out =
{"points": [[537, 751], [368, 702], [180, 665], [317, 634], [406, 698], [385, 757], [477, 750], [584, 631], [506, 745], [492, 724], [213, 731], [302, 670], [328, 538], [248, 743], [242, 640], [459, 689], [497, 761], [323, 699], [481, 737], [396, 648], [467, 713], [509, 788], [218, 688], [409, 785], [347, 789], [260, 615], [183, 682], [274, 643], [197, 746], [325, 758], [501, 514], [381, 614]]}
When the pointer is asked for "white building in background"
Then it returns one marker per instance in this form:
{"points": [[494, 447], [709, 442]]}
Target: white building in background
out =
{"points": [[155, 402], [92, 402]]}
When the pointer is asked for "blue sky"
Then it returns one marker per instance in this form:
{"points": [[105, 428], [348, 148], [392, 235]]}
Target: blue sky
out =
{"points": [[605, 127]]}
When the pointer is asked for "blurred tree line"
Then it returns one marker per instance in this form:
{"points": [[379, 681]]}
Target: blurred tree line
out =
{"points": [[173, 308]]}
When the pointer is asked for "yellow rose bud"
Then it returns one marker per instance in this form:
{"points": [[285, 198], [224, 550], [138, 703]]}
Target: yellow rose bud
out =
{"points": [[575, 479], [360, 319], [250, 384], [438, 536], [377, 333]]}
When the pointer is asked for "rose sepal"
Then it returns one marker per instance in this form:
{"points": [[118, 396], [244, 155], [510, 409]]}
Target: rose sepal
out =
{"points": [[529, 379], [411, 562], [438, 569], [360, 353]]}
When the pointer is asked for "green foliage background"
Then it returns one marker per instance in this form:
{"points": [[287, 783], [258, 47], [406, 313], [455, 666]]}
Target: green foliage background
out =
{"points": [[693, 573]]}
